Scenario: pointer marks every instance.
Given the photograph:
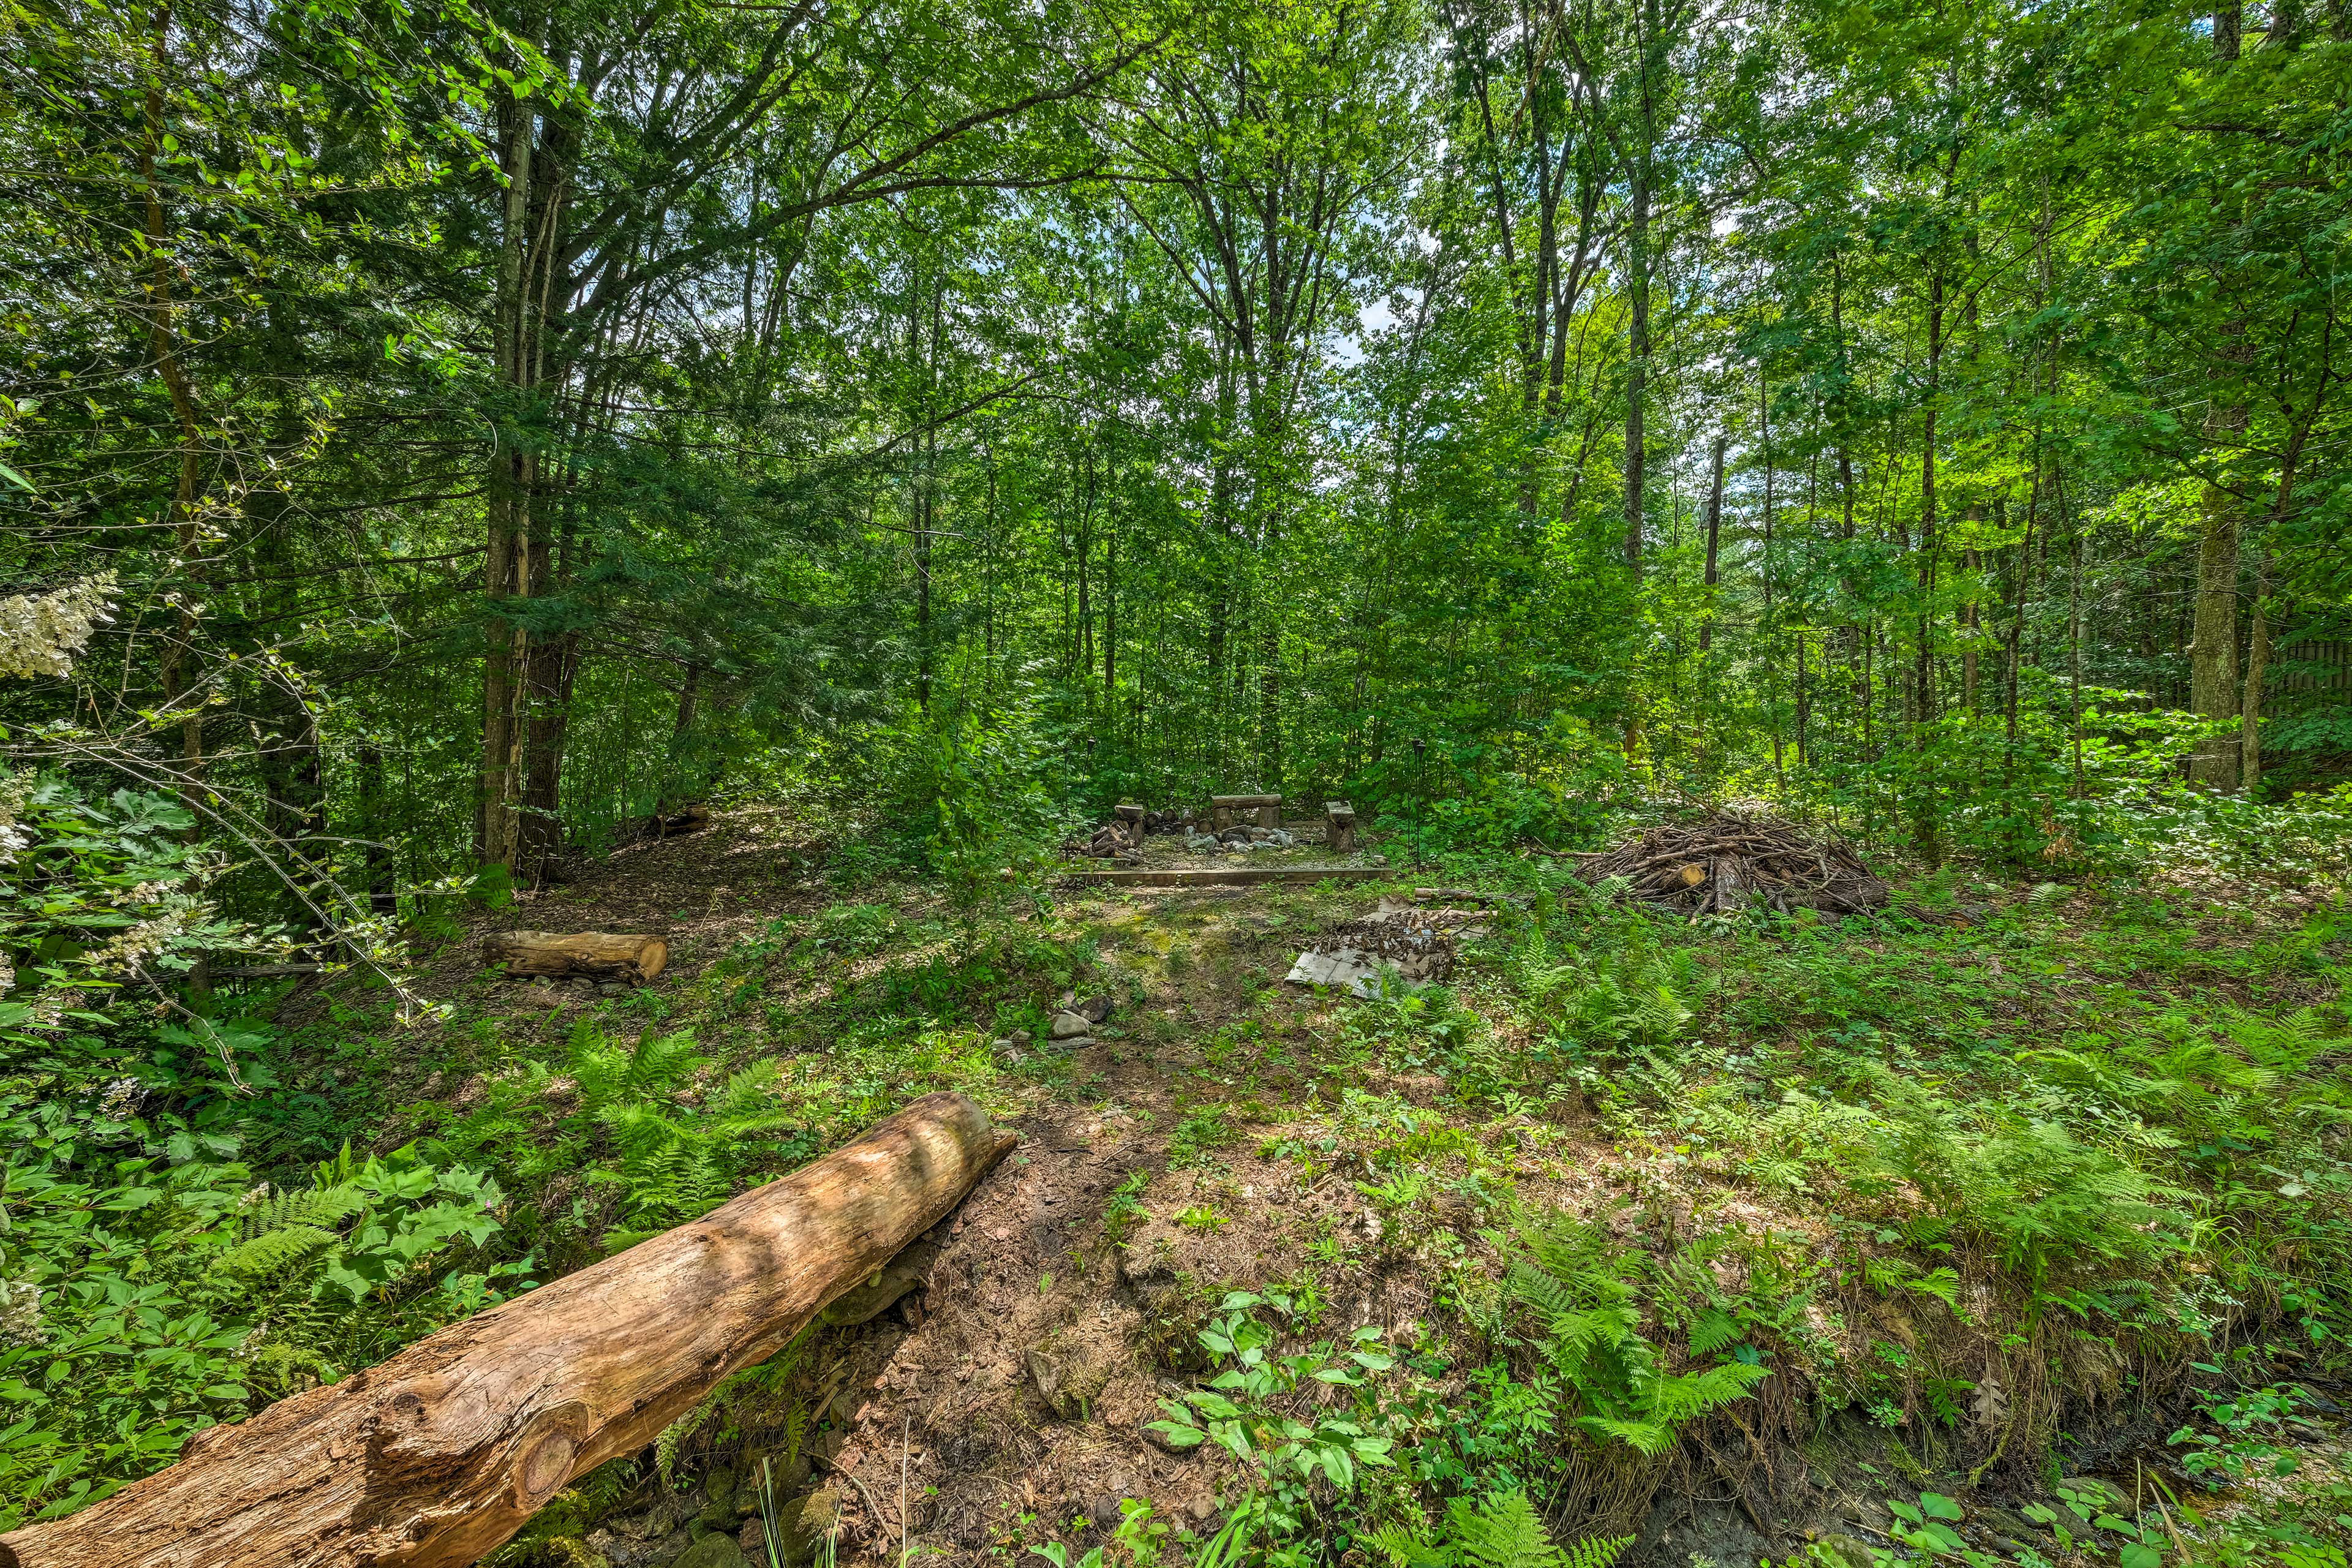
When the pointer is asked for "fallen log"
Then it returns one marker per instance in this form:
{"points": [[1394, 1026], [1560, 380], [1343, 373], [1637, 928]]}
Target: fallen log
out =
{"points": [[594, 953], [441, 1454]]}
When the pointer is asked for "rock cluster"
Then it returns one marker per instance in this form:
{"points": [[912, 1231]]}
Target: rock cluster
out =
{"points": [[1241, 840], [1076, 1022]]}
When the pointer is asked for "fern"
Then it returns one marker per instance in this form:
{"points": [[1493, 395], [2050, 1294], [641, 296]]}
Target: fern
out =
{"points": [[279, 1251], [1575, 1279], [283, 1236], [1499, 1530]]}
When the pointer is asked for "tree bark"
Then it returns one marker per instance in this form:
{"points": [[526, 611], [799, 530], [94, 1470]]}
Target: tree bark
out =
{"points": [[2213, 644], [2258, 656], [1714, 541], [441, 1454], [593, 953], [506, 562]]}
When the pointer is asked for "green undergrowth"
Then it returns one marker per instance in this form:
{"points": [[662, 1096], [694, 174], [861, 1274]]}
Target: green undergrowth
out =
{"points": [[1977, 1177]]}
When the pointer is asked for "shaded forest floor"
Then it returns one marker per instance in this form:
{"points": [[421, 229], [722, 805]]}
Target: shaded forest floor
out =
{"points": [[1876, 1159]]}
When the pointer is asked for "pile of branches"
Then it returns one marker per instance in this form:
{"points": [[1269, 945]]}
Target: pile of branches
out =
{"points": [[1730, 861]]}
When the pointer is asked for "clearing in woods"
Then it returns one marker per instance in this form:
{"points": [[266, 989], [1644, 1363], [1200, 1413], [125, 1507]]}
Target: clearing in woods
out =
{"points": [[1828, 1201]]}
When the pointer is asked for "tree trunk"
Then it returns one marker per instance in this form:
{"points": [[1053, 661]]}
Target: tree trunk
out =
{"points": [[1714, 539], [1637, 355], [2213, 648], [2213, 644], [439, 1455], [2258, 658], [163, 342], [505, 564]]}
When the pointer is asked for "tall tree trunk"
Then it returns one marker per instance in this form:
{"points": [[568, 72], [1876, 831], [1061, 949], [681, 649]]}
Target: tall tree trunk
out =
{"points": [[1926, 820], [1714, 542], [506, 567], [164, 343], [375, 810], [1637, 353], [2258, 658], [2214, 647]]}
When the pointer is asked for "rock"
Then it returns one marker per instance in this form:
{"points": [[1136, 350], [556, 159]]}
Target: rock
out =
{"points": [[1280, 838], [2004, 1521], [1094, 1009], [1067, 1384], [625, 1550], [1380, 860], [1102, 1510], [753, 1541], [611, 988], [878, 1295], [713, 1552], [718, 1512], [1204, 1510], [803, 1524], [1848, 1550], [1068, 1025], [1358, 971], [2100, 1491]]}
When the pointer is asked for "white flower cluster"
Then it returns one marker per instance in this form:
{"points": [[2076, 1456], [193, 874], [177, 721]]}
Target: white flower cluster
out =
{"points": [[40, 633], [143, 940], [20, 1314], [15, 791]]}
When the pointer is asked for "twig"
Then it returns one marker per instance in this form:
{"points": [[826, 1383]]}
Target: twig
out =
{"points": [[851, 1477]]}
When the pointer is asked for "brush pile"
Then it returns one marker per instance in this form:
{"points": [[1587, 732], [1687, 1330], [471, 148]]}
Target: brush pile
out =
{"points": [[1730, 860]]}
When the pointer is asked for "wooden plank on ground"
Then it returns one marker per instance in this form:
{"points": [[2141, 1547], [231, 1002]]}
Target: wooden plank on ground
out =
{"points": [[1212, 877]]}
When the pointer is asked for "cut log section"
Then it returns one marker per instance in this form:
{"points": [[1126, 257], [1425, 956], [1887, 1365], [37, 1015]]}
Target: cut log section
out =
{"points": [[599, 956], [440, 1454]]}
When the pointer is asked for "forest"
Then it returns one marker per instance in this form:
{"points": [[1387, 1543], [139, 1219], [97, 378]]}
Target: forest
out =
{"points": [[1777, 574]]}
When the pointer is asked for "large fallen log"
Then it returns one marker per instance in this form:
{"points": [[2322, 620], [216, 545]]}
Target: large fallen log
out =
{"points": [[441, 1453], [593, 953]]}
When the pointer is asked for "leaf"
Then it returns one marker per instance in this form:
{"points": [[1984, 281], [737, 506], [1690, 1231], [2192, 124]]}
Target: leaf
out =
{"points": [[1936, 1506], [1178, 1435]]}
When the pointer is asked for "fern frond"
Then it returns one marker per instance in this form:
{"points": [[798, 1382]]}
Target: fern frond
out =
{"points": [[1712, 1329], [315, 1209], [1502, 1531], [1403, 1548], [275, 1252], [1597, 1551]]}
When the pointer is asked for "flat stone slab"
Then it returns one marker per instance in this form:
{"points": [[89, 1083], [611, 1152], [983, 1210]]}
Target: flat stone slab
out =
{"points": [[1211, 877]]}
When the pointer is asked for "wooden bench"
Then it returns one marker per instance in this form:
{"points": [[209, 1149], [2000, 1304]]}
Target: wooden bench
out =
{"points": [[1338, 826]]}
